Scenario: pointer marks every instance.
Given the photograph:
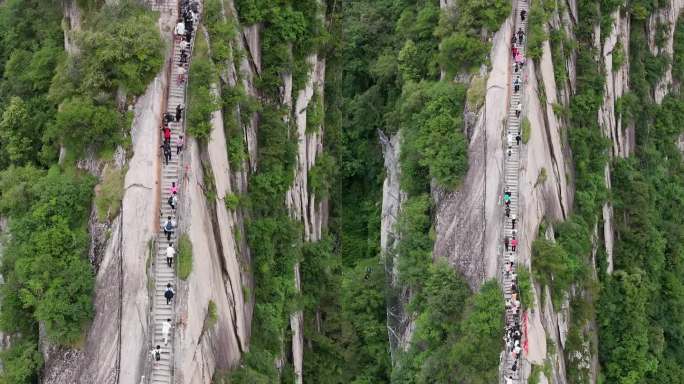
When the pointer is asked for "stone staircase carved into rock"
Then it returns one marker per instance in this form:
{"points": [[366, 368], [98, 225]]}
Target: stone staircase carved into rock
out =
{"points": [[511, 180], [163, 372]]}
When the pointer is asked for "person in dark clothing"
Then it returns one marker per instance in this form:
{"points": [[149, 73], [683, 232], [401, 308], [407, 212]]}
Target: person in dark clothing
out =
{"points": [[523, 13], [179, 112], [168, 294], [506, 243], [508, 211], [167, 154], [173, 201], [169, 227], [168, 117], [183, 57]]}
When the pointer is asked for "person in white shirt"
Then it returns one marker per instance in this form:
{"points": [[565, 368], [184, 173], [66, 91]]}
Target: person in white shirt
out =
{"points": [[170, 253], [180, 29], [156, 354], [166, 328]]}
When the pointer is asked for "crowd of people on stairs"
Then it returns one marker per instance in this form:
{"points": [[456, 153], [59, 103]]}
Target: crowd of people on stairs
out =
{"points": [[513, 332], [188, 10]]}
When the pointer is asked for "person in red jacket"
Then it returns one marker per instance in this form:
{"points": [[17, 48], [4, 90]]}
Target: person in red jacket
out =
{"points": [[514, 244], [167, 134]]}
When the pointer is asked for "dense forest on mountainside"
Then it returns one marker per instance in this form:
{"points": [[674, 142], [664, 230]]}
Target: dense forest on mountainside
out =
{"points": [[414, 70]]}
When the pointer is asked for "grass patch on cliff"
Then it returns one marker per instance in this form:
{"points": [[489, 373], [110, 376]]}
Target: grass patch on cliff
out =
{"points": [[526, 130], [109, 192], [184, 257], [212, 314], [201, 101], [475, 96], [525, 287], [221, 30]]}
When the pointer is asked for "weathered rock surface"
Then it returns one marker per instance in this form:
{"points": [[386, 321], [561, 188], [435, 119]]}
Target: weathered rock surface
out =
{"points": [[469, 220], [302, 205], [202, 349], [399, 323]]}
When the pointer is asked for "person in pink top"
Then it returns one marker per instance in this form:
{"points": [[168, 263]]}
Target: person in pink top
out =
{"points": [[179, 145], [514, 244], [174, 188]]}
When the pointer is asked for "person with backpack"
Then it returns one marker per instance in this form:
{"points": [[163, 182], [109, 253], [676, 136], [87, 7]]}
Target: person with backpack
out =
{"points": [[167, 153], [170, 253], [156, 354], [516, 84], [173, 201], [168, 294], [166, 328], [169, 227], [179, 112], [168, 117]]}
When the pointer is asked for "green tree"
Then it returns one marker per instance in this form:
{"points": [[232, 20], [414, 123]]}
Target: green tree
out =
{"points": [[461, 52], [121, 48], [83, 124], [17, 133], [623, 332], [21, 362]]}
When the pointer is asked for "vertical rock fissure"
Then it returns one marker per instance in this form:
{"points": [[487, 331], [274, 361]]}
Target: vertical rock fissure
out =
{"points": [[549, 143]]}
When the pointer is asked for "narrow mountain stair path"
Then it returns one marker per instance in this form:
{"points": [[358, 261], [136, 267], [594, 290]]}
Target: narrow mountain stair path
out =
{"points": [[163, 371], [511, 179]]}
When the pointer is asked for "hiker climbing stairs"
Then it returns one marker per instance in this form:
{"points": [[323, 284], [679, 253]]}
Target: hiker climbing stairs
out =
{"points": [[511, 170], [163, 371]]}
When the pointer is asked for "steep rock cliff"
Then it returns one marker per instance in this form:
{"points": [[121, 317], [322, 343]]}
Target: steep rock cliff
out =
{"points": [[468, 220], [115, 342]]}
